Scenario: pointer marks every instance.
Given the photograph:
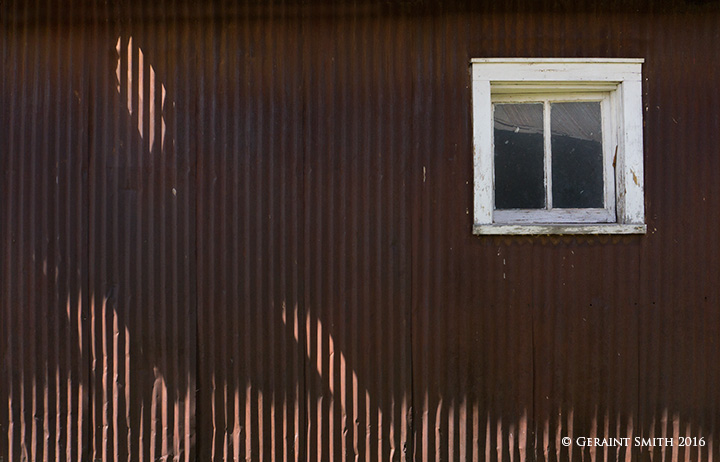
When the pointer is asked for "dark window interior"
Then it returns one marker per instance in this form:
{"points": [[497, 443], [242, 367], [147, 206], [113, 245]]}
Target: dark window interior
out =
{"points": [[519, 158], [577, 165]]}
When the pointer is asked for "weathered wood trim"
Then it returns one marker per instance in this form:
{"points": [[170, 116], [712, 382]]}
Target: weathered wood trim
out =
{"points": [[554, 216], [610, 228], [632, 193], [558, 60], [561, 70], [483, 153]]}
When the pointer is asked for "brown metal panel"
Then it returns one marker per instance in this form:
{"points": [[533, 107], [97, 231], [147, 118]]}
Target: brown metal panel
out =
{"points": [[305, 287], [679, 287], [577, 332], [357, 117], [141, 239], [323, 334], [472, 312], [251, 348], [43, 296]]}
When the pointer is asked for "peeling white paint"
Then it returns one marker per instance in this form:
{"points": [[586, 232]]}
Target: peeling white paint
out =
{"points": [[596, 229], [622, 79]]}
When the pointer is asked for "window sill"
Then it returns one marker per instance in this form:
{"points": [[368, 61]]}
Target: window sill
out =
{"points": [[559, 229]]}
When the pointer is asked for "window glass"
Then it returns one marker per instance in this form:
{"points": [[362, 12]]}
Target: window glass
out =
{"points": [[519, 156], [577, 161]]}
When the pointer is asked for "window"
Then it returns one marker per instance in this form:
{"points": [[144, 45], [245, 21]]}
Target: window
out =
{"points": [[558, 146]]}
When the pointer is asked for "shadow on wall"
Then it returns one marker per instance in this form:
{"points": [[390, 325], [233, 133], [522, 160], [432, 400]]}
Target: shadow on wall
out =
{"points": [[196, 350], [216, 327]]}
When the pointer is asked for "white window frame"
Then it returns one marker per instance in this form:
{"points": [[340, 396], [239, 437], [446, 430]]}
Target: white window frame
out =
{"points": [[617, 84]]}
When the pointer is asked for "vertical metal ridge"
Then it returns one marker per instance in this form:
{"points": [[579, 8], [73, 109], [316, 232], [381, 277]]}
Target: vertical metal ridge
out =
{"points": [[245, 304], [35, 156], [6, 421], [420, 309], [188, 178], [97, 200], [346, 447], [20, 239], [222, 134]]}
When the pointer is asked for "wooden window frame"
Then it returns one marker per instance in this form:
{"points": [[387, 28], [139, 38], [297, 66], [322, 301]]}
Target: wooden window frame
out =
{"points": [[615, 82]]}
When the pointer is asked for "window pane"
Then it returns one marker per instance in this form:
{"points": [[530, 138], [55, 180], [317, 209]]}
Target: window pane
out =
{"points": [[519, 165], [577, 164]]}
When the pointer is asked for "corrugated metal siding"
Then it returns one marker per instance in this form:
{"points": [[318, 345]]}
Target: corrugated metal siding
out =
{"points": [[300, 259], [679, 288], [43, 221], [142, 271], [243, 231], [356, 250], [251, 320]]}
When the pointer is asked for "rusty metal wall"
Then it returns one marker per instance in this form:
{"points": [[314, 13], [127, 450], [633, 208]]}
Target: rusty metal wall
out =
{"points": [[44, 294], [679, 290], [142, 314], [303, 269], [242, 231], [252, 368]]}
